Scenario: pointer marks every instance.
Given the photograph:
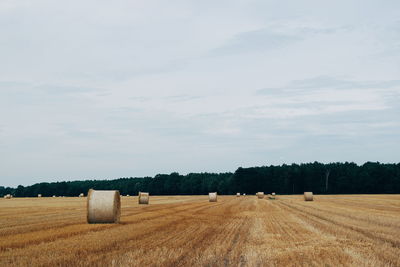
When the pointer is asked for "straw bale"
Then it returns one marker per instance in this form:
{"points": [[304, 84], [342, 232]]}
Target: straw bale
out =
{"points": [[212, 197], [103, 206], [144, 197], [308, 196]]}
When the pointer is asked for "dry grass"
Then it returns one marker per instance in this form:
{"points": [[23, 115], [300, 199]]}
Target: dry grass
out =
{"points": [[190, 231]]}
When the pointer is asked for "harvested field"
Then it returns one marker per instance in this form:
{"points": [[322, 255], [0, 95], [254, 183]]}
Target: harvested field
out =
{"points": [[346, 230]]}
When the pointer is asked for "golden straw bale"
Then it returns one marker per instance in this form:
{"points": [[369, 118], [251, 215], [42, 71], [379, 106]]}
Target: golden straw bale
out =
{"points": [[260, 195], [144, 197], [103, 206], [308, 196], [212, 197]]}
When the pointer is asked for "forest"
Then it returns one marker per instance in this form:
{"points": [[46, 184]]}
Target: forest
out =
{"points": [[332, 178]]}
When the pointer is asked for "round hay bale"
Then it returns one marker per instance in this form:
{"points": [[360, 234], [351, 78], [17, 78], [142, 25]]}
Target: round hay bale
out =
{"points": [[273, 193], [54, 195], [144, 197], [212, 197], [39, 195], [238, 194], [103, 206], [260, 195], [81, 195], [308, 196], [244, 194], [128, 195], [8, 196]]}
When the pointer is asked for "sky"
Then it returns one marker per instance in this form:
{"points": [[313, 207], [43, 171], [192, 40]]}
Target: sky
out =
{"points": [[108, 89]]}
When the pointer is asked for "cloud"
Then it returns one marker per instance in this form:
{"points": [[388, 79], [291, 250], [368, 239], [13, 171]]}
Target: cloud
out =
{"points": [[92, 89], [324, 95], [65, 90], [254, 41], [273, 37], [327, 82]]}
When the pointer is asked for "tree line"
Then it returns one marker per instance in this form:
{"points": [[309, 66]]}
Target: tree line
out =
{"points": [[332, 178]]}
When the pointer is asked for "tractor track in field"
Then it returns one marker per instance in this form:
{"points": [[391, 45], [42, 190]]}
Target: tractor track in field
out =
{"points": [[365, 233]]}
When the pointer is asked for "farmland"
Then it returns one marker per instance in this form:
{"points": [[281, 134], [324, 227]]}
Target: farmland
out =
{"points": [[333, 230]]}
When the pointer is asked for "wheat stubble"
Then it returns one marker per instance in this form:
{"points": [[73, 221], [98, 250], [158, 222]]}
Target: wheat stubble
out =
{"points": [[190, 231]]}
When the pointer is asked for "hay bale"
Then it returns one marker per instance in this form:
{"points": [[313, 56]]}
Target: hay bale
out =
{"points": [[273, 193], [8, 196], [144, 197], [81, 195], [54, 195], [128, 195], [260, 195], [308, 196], [103, 206], [212, 197], [238, 194], [39, 195], [244, 194]]}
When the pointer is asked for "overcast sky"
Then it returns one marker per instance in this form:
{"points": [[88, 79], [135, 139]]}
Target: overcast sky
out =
{"points": [[108, 89]]}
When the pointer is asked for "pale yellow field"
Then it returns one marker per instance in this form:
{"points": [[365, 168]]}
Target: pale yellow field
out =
{"points": [[351, 230]]}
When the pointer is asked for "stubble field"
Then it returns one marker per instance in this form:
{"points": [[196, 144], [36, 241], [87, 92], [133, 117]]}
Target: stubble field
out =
{"points": [[346, 230]]}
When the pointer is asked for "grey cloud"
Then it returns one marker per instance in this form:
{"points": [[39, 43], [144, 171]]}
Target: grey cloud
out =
{"points": [[323, 82], [273, 37], [171, 98], [65, 90], [140, 98], [253, 41], [182, 98], [29, 94], [12, 84], [323, 31]]}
